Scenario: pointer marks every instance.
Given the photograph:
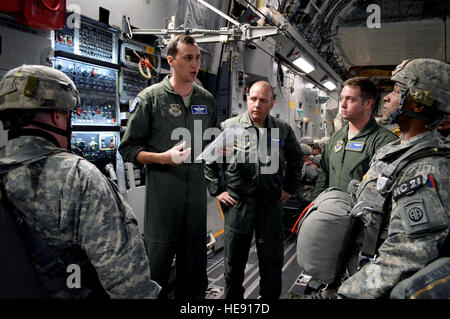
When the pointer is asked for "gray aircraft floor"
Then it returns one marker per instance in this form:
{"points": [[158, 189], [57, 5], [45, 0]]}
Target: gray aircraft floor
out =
{"points": [[215, 269], [290, 270]]}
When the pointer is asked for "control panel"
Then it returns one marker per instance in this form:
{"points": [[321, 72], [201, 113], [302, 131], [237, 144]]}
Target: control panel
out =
{"points": [[96, 146], [89, 40], [131, 83], [97, 86], [131, 52]]}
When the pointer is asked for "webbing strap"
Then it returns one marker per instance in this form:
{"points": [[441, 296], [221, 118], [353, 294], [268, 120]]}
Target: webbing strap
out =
{"points": [[428, 147], [13, 161], [372, 229], [41, 253]]}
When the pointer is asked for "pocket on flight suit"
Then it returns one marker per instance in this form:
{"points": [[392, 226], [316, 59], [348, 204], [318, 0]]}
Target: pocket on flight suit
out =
{"points": [[239, 218]]}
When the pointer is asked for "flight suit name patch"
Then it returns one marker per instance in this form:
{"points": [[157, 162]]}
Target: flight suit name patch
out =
{"points": [[198, 109], [407, 187], [354, 146], [276, 141], [175, 110]]}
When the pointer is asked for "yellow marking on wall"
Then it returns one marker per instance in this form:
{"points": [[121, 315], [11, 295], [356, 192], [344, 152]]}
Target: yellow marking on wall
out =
{"points": [[150, 50]]}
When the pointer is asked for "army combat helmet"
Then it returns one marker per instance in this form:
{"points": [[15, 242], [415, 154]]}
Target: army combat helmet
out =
{"points": [[31, 88], [306, 149], [37, 87], [427, 82], [308, 140]]}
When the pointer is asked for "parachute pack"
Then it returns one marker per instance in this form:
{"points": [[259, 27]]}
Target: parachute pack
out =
{"points": [[325, 226]]}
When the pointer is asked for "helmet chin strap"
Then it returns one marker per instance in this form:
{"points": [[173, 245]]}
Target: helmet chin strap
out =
{"points": [[66, 133], [392, 118], [401, 109]]}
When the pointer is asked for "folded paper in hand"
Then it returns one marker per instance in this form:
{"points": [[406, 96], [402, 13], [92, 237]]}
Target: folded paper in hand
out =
{"points": [[213, 151]]}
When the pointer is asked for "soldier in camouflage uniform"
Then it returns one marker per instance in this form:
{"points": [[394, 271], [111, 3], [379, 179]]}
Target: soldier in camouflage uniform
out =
{"points": [[310, 172], [405, 192], [74, 208]]}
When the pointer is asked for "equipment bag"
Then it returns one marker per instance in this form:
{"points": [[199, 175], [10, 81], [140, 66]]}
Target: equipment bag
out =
{"points": [[431, 282], [323, 235], [18, 277]]}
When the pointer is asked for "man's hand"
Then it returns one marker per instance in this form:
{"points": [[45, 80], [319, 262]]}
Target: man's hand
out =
{"points": [[226, 150], [284, 197], [226, 199], [176, 155]]}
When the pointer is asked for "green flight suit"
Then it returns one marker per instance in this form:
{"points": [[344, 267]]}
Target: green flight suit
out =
{"points": [[175, 201], [344, 160], [257, 186]]}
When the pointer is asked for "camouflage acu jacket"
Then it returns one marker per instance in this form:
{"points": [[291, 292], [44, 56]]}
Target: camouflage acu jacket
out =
{"points": [[72, 205], [417, 221]]}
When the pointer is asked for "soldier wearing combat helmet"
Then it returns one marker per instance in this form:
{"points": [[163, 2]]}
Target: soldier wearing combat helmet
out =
{"points": [[310, 172], [404, 196], [76, 211]]}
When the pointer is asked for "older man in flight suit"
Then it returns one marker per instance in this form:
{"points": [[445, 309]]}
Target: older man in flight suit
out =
{"points": [[255, 192]]}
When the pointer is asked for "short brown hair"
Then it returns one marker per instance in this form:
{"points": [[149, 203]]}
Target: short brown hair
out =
{"points": [[366, 86], [172, 45]]}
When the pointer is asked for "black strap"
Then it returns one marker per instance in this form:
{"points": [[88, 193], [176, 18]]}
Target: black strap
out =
{"points": [[10, 162], [372, 230], [17, 132], [40, 252], [52, 128], [306, 285]]}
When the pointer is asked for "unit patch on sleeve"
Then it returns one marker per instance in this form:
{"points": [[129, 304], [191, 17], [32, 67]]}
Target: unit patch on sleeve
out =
{"points": [[198, 109], [244, 143], [415, 212], [354, 146], [175, 110], [338, 146], [407, 187]]}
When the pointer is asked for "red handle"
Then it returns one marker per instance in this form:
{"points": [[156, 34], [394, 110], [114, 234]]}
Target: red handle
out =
{"points": [[293, 230], [48, 6]]}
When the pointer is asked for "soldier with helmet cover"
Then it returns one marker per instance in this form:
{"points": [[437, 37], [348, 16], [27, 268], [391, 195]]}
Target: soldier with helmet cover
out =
{"points": [[78, 213], [310, 172], [403, 199]]}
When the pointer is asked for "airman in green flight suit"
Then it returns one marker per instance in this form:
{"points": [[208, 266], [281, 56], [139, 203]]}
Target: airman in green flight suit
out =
{"points": [[175, 211]]}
